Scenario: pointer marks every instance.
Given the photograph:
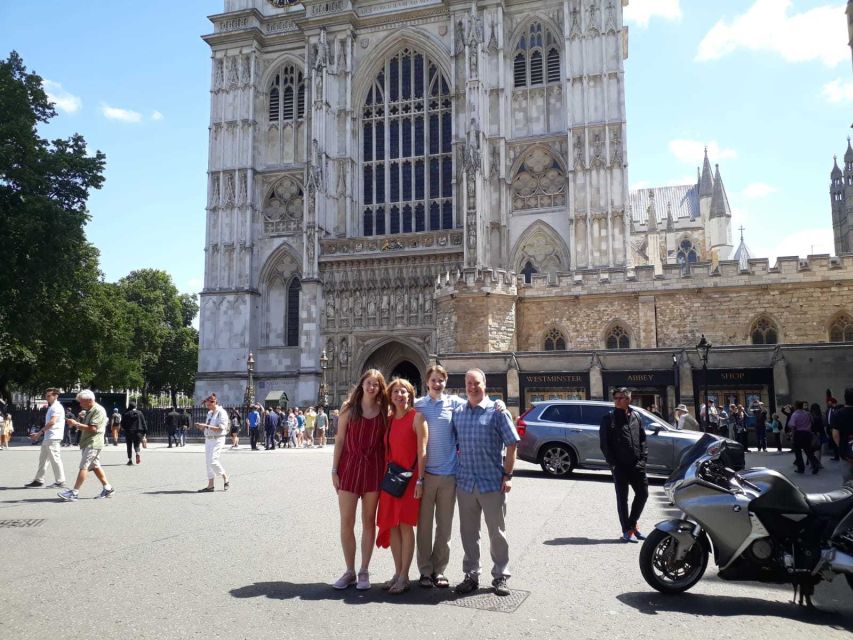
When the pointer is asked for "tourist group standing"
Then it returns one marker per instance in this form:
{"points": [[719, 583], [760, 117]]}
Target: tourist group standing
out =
{"points": [[437, 450]]}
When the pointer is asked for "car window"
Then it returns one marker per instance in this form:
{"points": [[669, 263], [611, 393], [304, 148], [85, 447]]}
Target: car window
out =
{"points": [[647, 419], [569, 413], [593, 413]]}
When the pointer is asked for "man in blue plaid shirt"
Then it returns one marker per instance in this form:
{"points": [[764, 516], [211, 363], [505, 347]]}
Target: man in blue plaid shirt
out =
{"points": [[483, 478]]}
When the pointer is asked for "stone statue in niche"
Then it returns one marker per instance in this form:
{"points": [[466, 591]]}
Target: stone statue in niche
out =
{"points": [[322, 59], [310, 241], [384, 308], [593, 17], [428, 302], [330, 307], [575, 30], [459, 38], [229, 189], [494, 169], [315, 168], [611, 17], [472, 148], [597, 150], [218, 74], [472, 231], [344, 352], [318, 84], [244, 188], [371, 306], [401, 304], [472, 61], [413, 304], [616, 147], [246, 69], [579, 163], [346, 305], [233, 73], [357, 304]]}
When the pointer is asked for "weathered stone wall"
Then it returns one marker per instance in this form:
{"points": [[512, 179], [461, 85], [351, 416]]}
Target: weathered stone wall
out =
{"points": [[800, 296]]}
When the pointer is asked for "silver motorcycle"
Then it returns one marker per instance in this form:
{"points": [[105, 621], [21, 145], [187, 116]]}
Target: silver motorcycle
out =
{"points": [[759, 525]]}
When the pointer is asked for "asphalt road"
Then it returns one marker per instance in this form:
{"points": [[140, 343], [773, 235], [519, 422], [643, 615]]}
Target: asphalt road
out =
{"points": [[159, 560]]}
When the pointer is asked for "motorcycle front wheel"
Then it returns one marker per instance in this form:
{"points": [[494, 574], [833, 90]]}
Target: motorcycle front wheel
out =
{"points": [[663, 572]]}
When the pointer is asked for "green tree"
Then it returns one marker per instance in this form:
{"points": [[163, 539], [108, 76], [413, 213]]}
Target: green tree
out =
{"points": [[160, 322], [49, 269]]}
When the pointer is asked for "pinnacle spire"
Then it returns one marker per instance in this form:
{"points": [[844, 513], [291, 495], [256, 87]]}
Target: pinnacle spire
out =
{"points": [[848, 156], [719, 200], [706, 181], [742, 255], [836, 170]]}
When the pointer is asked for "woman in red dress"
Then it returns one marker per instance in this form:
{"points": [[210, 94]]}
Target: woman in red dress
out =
{"points": [[406, 446], [357, 469]]}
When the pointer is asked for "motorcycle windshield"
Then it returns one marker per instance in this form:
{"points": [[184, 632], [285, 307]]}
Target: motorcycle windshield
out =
{"points": [[691, 455]]}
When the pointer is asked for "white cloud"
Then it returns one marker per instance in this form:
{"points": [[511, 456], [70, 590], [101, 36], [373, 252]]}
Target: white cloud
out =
{"points": [[838, 91], [693, 151], [817, 34], [758, 190], [802, 243], [156, 116], [640, 12], [62, 100], [122, 115], [195, 284]]}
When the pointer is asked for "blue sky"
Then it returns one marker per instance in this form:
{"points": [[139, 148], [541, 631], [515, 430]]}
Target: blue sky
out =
{"points": [[766, 84]]}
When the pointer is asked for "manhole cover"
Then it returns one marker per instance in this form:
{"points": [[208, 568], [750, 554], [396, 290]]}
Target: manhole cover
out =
{"points": [[14, 524], [488, 601]]}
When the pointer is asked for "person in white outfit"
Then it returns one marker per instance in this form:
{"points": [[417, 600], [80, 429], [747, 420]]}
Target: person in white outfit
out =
{"points": [[54, 427], [215, 429]]}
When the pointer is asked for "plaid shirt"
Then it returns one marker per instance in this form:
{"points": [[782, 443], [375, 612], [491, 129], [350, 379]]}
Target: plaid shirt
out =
{"points": [[481, 434]]}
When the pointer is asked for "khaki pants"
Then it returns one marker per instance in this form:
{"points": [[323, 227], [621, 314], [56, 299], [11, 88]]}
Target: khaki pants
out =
{"points": [[437, 504], [492, 506], [49, 454]]}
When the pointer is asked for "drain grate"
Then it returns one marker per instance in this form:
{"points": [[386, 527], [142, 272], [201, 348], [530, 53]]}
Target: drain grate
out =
{"points": [[21, 523], [488, 601]]}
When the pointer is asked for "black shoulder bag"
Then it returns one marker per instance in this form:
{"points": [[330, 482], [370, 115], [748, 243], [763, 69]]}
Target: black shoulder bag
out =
{"points": [[396, 478]]}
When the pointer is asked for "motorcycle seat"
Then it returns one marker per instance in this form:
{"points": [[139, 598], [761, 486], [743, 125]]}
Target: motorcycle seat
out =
{"points": [[834, 503]]}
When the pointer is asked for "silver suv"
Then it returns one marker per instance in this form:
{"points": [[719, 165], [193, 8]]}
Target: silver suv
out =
{"points": [[562, 435]]}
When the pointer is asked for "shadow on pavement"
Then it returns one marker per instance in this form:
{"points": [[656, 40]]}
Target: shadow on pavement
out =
{"points": [[651, 603], [582, 541], [316, 591], [579, 475], [169, 493]]}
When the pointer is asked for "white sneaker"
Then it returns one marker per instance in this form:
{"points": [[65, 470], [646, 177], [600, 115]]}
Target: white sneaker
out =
{"points": [[345, 580], [363, 583], [69, 495]]}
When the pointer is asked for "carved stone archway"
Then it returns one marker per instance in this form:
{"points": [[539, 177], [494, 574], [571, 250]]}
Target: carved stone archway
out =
{"points": [[398, 359]]}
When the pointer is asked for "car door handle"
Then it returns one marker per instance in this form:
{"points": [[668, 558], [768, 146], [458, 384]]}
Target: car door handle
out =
{"points": [[576, 430]]}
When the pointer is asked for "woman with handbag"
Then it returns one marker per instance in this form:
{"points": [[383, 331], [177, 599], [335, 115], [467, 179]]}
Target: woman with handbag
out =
{"points": [[400, 498], [357, 469]]}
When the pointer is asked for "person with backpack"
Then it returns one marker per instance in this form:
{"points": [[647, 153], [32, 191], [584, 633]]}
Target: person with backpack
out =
{"points": [[135, 427], [115, 425]]}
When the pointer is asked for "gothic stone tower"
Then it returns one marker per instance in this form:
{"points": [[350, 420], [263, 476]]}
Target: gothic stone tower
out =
{"points": [[362, 149], [841, 199]]}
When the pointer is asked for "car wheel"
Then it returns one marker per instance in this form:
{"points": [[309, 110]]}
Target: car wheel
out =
{"points": [[557, 460]]}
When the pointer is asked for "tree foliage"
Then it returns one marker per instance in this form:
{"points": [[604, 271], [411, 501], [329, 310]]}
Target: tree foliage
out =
{"points": [[60, 323], [49, 268]]}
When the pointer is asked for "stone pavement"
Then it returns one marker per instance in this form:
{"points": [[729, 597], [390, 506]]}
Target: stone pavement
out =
{"points": [[159, 560]]}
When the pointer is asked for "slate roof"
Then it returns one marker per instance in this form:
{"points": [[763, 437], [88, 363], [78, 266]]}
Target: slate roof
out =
{"points": [[683, 200]]}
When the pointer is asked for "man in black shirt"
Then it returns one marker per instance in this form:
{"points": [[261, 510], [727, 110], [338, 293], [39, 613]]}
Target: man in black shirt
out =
{"points": [[173, 425], [623, 443], [842, 434]]}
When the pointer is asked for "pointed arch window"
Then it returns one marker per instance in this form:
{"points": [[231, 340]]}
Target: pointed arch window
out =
{"points": [[841, 329], [528, 271], [554, 340], [539, 183], [617, 338], [291, 329], [686, 255], [287, 96], [406, 149], [536, 60], [764, 331]]}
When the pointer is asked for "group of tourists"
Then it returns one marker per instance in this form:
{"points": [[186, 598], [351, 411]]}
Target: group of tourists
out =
{"points": [[291, 429], [439, 451]]}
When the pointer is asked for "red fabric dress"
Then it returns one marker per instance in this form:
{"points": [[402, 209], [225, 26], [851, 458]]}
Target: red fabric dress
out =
{"points": [[362, 462], [403, 450]]}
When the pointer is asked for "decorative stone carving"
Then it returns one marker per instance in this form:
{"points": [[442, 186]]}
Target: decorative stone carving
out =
{"points": [[472, 149], [495, 161], [615, 148], [233, 72], [493, 39], [539, 183], [229, 190], [214, 191], [610, 25], [575, 30], [459, 38], [243, 191], [218, 74], [597, 151], [246, 70], [594, 22], [284, 208], [579, 154], [322, 58], [314, 170]]}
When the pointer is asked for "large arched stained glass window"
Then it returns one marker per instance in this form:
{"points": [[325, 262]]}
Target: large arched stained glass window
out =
{"points": [[407, 159]]}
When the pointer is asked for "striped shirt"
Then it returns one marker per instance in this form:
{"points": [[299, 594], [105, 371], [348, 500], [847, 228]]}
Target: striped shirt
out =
{"points": [[481, 434], [441, 444]]}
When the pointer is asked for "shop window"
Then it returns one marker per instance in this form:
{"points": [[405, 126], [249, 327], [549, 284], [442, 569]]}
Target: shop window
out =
{"points": [[555, 340], [617, 338], [841, 330], [764, 331]]}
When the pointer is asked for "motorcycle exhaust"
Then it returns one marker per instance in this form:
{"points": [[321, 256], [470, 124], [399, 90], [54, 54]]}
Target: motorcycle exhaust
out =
{"points": [[841, 562]]}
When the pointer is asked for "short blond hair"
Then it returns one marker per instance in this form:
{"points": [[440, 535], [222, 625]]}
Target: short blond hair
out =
{"points": [[402, 382]]}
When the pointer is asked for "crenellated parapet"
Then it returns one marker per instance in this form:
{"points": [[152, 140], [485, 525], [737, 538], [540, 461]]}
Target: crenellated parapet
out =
{"points": [[788, 270]]}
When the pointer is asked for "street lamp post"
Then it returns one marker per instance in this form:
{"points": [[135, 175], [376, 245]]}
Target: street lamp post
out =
{"points": [[676, 378], [249, 398], [322, 396], [703, 348]]}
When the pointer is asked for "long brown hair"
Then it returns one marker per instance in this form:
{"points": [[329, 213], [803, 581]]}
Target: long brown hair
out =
{"points": [[353, 403]]}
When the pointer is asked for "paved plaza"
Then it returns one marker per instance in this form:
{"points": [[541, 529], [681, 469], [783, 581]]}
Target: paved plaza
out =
{"points": [[159, 560]]}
